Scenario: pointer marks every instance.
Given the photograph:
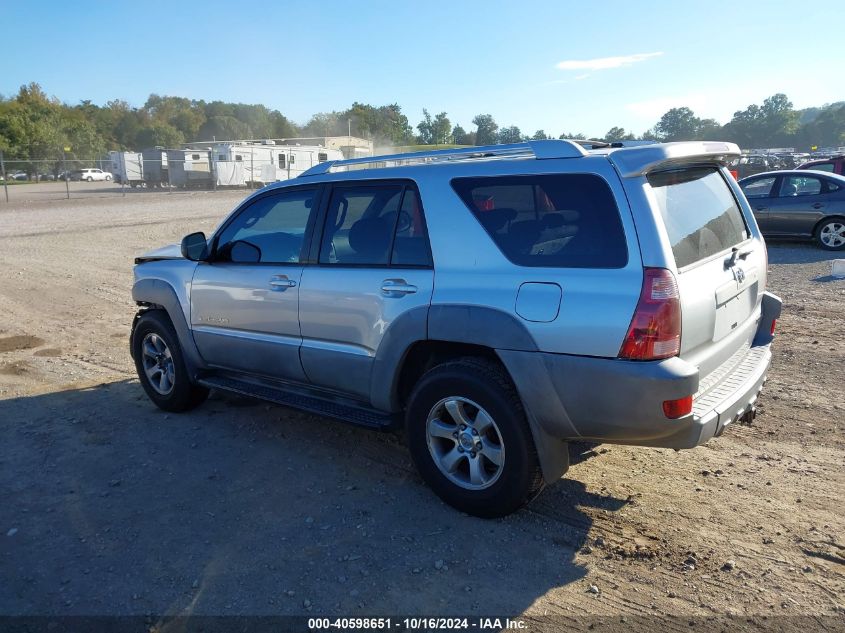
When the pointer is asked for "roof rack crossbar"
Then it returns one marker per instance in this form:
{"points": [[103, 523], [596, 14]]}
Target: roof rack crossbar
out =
{"points": [[530, 149]]}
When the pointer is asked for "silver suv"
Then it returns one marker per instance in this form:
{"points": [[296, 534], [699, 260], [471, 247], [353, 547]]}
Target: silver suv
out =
{"points": [[494, 302]]}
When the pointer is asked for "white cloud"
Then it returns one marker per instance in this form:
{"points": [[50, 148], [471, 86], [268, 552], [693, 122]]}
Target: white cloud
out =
{"points": [[580, 77], [603, 63]]}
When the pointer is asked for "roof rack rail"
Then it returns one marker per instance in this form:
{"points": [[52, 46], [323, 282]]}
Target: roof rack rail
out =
{"points": [[531, 149]]}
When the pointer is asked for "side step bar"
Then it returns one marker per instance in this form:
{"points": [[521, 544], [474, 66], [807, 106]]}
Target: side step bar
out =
{"points": [[306, 400]]}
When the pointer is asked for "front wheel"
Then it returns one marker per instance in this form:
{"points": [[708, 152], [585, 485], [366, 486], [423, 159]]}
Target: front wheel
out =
{"points": [[831, 234], [160, 365], [470, 440], [108, 178], [89, 179]]}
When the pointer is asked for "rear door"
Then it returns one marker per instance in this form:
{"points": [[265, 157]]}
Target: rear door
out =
{"points": [[374, 268], [720, 263]]}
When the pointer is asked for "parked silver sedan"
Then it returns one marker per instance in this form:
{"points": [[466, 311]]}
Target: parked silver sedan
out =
{"points": [[793, 203]]}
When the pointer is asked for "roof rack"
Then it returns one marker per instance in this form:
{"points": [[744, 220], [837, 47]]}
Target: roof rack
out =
{"points": [[540, 150]]}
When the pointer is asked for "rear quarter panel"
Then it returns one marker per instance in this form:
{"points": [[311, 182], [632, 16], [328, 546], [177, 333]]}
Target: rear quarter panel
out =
{"points": [[596, 304]]}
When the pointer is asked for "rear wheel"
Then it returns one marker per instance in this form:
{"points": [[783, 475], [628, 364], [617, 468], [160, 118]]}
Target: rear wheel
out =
{"points": [[160, 365], [831, 234], [89, 179], [470, 440]]}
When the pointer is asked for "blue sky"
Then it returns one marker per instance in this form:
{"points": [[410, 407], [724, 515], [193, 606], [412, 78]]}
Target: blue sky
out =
{"points": [[556, 65]]}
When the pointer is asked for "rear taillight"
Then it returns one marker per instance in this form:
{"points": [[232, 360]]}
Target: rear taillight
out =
{"points": [[655, 330], [674, 409]]}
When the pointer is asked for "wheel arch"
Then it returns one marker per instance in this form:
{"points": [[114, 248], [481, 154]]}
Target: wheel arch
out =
{"points": [[825, 220], [158, 294]]}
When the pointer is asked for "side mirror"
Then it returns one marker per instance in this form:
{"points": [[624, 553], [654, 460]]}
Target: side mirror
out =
{"points": [[195, 247]]}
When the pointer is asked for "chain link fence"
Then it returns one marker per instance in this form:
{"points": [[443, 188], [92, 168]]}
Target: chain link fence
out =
{"points": [[227, 167]]}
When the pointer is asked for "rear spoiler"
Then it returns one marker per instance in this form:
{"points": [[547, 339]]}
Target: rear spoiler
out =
{"points": [[638, 161]]}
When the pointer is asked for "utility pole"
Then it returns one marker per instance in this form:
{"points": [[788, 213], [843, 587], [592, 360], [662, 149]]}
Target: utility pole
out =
{"points": [[67, 175], [3, 173]]}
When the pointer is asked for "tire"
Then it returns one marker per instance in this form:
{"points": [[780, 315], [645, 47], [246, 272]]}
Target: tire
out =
{"points": [[89, 179], [175, 392], [108, 178], [467, 389], [830, 234]]}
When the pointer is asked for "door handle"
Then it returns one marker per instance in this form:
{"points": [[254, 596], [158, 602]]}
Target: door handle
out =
{"points": [[397, 288], [281, 282], [818, 205]]}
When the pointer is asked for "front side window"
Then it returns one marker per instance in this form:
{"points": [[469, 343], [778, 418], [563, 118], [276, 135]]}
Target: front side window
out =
{"points": [[699, 211], [759, 188], [559, 220], [270, 230]]}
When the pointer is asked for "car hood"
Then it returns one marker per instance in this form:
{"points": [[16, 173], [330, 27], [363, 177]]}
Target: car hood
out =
{"points": [[172, 251]]}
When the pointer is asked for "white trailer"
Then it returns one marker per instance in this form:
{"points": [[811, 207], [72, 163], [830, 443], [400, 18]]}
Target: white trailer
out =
{"points": [[128, 168], [266, 162]]}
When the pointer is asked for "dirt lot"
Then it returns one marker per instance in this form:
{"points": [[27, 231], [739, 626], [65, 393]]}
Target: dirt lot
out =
{"points": [[110, 506]]}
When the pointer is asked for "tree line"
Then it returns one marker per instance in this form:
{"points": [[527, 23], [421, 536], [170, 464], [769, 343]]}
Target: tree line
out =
{"points": [[34, 126]]}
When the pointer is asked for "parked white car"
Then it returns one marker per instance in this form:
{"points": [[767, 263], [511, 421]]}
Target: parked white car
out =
{"points": [[90, 175]]}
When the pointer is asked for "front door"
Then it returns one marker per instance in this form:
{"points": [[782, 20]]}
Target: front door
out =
{"points": [[799, 206], [760, 192], [244, 302], [374, 269]]}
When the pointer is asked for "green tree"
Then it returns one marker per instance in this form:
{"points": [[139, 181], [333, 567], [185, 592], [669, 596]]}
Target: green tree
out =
{"points": [[540, 135], [224, 128], [511, 134], [426, 136], [485, 129], [159, 134], [383, 124], [461, 137], [184, 115], [616, 134], [578, 136], [678, 124], [441, 129]]}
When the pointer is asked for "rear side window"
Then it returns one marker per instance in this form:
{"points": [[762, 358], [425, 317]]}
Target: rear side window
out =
{"points": [[559, 220], [699, 211]]}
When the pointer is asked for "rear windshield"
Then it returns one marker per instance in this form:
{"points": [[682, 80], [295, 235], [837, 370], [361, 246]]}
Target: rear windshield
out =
{"points": [[559, 220], [699, 211]]}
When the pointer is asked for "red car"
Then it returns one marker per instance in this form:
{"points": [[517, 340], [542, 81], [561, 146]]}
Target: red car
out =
{"points": [[835, 165]]}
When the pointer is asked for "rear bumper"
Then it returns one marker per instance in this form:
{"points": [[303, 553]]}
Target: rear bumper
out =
{"points": [[617, 401]]}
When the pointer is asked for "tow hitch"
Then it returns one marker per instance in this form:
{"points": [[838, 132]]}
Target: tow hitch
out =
{"points": [[748, 416]]}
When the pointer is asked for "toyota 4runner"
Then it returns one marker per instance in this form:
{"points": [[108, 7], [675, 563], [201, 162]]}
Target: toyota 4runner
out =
{"points": [[494, 302]]}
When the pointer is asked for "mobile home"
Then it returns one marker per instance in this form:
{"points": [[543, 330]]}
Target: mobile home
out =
{"points": [[156, 173], [267, 162], [127, 168], [189, 167]]}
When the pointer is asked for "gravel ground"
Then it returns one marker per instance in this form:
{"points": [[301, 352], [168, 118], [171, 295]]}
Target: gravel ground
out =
{"points": [[110, 506]]}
